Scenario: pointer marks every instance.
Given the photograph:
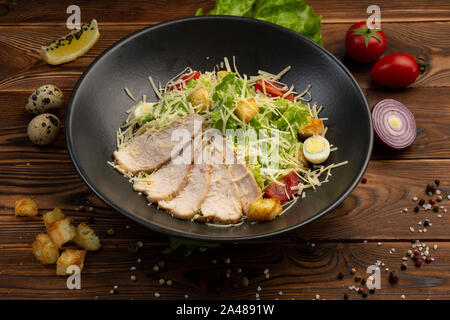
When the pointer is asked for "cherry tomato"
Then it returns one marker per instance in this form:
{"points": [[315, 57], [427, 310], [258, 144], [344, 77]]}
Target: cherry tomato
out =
{"points": [[273, 90], [185, 79], [285, 192], [364, 44], [396, 70]]}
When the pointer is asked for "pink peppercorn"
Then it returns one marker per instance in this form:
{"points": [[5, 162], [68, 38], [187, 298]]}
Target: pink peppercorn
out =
{"points": [[419, 263], [364, 180]]}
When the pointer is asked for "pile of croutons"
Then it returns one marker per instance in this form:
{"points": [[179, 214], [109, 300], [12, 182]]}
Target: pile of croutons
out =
{"points": [[59, 232]]}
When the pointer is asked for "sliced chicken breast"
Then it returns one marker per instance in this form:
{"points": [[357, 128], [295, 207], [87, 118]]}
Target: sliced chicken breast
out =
{"points": [[150, 151], [187, 203], [164, 183], [248, 188], [222, 203]]}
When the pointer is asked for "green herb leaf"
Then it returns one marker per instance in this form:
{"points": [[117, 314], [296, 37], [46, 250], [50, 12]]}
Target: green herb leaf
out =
{"points": [[293, 14]]}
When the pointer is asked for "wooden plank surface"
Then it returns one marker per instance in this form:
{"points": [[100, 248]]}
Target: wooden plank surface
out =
{"points": [[24, 70], [298, 270], [302, 263], [148, 12]]}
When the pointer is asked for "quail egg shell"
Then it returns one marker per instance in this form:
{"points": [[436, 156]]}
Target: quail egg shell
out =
{"points": [[43, 128], [45, 98], [316, 149]]}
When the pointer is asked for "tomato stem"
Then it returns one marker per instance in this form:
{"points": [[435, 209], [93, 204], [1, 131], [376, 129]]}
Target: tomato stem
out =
{"points": [[422, 65]]}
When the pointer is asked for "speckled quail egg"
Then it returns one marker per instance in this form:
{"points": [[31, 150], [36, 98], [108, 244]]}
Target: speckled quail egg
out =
{"points": [[45, 98], [316, 149], [43, 128]]}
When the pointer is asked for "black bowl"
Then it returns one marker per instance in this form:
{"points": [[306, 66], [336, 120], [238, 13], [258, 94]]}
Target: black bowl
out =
{"points": [[98, 104]]}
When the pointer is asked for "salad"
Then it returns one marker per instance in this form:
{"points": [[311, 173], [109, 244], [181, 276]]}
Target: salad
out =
{"points": [[274, 129]]}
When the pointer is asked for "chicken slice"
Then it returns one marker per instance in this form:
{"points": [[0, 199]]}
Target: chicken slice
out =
{"points": [[248, 188], [164, 183], [187, 202], [150, 151], [222, 203]]}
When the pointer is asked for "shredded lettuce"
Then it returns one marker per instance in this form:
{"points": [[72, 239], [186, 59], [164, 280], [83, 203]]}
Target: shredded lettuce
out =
{"points": [[292, 14]]}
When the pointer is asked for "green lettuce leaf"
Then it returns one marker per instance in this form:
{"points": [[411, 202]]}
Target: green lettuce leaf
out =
{"points": [[292, 14], [240, 8]]}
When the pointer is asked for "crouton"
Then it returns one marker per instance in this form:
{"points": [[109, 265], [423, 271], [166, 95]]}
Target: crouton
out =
{"points": [[200, 98], [45, 250], [26, 208], [314, 127], [61, 231], [70, 257], [86, 238], [52, 216], [221, 74], [247, 110], [264, 209]]}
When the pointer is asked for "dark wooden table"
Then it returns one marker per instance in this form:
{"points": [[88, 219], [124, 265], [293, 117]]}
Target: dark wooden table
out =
{"points": [[361, 231]]}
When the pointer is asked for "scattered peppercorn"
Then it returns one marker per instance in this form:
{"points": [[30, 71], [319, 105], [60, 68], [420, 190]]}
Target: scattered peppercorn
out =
{"points": [[111, 232], [437, 182], [81, 208], [431, 202], [436, 208], [421, 202], [91, 209], [357, 279], [372, 291], [439, 199], [430, 189], [426, 223], [393, 277], [360, 290], [364, 180], [416, 209], [404, 265], [419, 263], [364, 294], [341, 275], [363, 281], [345, 296], [353, 271], [427, 260]]}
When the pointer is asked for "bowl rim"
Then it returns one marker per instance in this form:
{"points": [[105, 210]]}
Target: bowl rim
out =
{"points": [[194, 236]]}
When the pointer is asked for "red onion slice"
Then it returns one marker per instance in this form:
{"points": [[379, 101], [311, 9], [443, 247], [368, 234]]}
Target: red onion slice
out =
{"points": [[394, 124]]}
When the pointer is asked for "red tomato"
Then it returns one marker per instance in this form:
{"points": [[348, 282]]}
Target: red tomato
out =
{"points": [[186, 78], [396, 70], [364, 44], [273, 90], [285, 192]]}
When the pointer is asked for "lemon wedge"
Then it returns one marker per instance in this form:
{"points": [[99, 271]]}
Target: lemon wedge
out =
{"points": [[73, 45]]}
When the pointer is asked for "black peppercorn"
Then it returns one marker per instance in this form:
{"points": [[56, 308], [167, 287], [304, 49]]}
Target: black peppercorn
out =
{"points": [[430, 189], [393, 277], [416, 209], [341, 275], [421, 202]]}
